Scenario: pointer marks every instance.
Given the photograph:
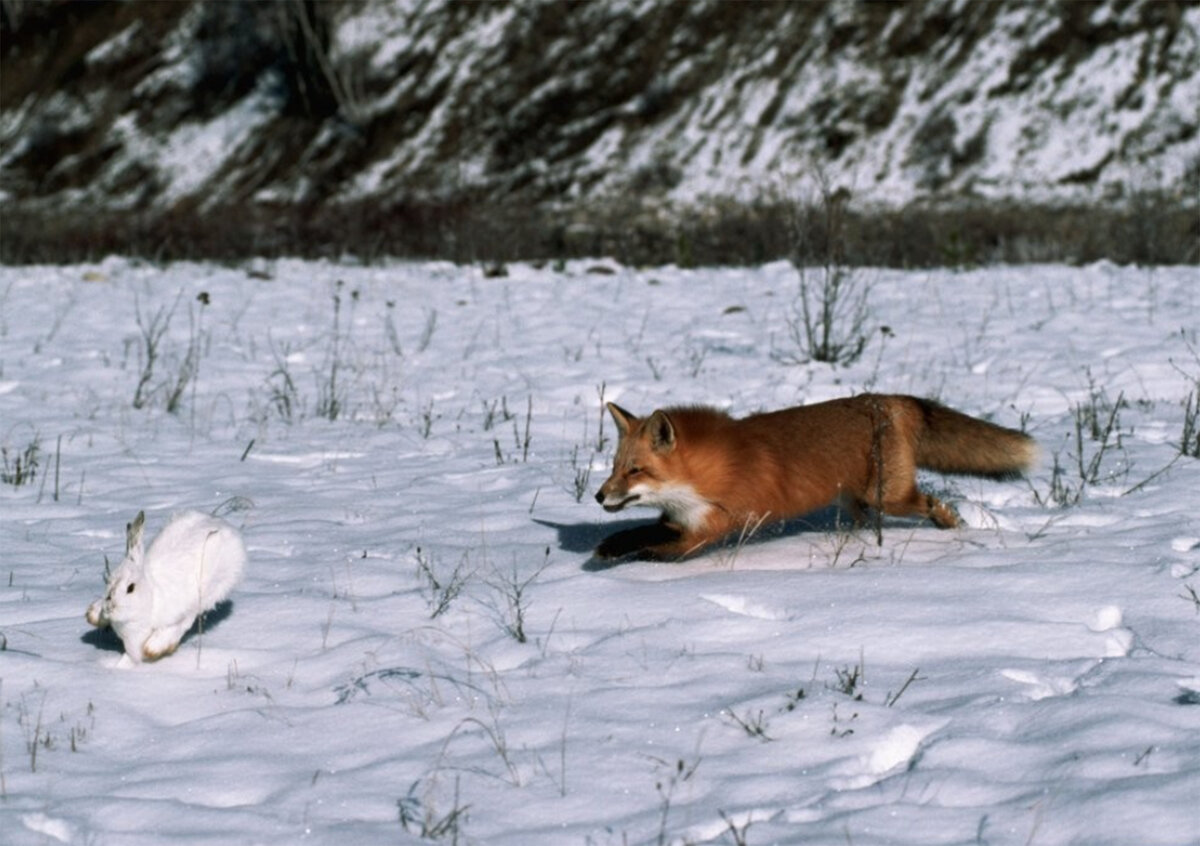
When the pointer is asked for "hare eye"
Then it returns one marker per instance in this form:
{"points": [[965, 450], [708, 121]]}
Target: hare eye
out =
{"points": [[130, 588]]}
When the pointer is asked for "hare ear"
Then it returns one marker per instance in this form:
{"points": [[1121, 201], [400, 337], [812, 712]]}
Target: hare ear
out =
{"points": [[133, 534]]}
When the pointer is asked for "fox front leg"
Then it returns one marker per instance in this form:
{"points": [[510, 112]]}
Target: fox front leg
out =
{"points": [[661, 541], [684, 545], [640, 539]]}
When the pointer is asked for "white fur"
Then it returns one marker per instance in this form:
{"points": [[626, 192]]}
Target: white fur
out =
{"points": [[194, 563], [681, 503]]}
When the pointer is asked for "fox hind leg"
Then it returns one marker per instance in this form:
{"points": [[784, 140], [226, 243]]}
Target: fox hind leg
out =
{"points": [[916, 502], [854, 507], [942, 515]]}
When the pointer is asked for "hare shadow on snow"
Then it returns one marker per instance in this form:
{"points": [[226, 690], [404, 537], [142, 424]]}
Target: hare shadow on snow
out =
{"points": [[584, 537], [106, 639]]}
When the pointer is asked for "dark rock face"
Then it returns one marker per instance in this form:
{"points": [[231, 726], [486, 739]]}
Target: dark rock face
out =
{"points": [[157, 106]]}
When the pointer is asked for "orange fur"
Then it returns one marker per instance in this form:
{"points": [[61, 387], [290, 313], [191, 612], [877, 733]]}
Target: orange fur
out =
{"points": [[712, 475]]}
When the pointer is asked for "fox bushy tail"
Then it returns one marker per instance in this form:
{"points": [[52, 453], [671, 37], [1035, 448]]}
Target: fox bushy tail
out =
{"points": [[956, 443]]}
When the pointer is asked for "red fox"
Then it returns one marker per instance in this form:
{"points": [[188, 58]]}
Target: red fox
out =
{"points": [[712, 475]]}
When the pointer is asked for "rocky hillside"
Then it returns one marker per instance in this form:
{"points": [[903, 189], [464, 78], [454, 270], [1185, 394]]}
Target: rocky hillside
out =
{"points": [[185, 107]]}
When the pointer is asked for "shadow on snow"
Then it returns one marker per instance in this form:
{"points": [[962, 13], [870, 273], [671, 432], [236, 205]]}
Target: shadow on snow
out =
{"points": [[106, 639], [584, 537]]}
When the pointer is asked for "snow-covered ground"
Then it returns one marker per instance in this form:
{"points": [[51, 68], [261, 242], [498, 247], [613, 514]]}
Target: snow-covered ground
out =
{"points": [[1031, 678]]}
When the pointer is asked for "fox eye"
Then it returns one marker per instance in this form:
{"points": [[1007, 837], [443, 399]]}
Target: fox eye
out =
{"points": [[130, 588], [635, 471]]}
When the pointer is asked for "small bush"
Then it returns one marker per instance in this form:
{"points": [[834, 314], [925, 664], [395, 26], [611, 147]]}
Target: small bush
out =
{"points": [[470, 229], [20, 467], [831, 312]]}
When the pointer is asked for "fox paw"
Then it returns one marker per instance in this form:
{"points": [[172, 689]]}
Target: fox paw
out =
{"points": [[640, 541], [611, 548]]}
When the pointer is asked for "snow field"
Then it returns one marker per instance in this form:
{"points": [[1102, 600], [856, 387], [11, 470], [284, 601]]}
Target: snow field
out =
{"points": [[1030, 678]]}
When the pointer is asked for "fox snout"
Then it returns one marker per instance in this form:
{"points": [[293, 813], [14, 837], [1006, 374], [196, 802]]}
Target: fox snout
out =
{"points": [[614, 500]]}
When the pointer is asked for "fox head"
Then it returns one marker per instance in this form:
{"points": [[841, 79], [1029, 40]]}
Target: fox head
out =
{"points": [[638, 465], [648, 469]]}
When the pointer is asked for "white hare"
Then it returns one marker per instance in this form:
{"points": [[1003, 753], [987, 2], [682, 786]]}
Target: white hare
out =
{"points": [[152, 598]]}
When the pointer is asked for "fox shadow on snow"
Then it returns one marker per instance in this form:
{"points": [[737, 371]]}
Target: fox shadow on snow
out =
{"points": [[585, 537], [106, 639]]}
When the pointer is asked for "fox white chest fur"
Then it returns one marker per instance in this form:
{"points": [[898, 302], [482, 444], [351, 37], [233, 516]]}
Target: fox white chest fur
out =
{"points": [[680, 503]]}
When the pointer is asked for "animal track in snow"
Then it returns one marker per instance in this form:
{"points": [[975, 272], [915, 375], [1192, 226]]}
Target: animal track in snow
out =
{"points": [[1118, 640], [49, 827], [745, 607], [1189, 691], [1042, 686], [895, 749], [1184, 544], [308, 460], [1115, 642]]}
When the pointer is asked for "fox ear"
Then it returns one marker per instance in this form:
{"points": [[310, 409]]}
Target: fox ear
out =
{"points": [[133, 533], [622, 418], [662, 431]]}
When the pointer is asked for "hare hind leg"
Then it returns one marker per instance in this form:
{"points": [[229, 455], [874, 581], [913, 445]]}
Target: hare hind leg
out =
{"points": [[164, 641]]}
